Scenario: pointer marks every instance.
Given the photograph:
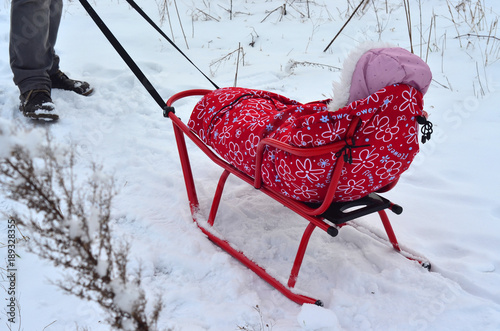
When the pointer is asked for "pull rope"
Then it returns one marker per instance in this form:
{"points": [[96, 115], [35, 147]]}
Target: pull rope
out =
{"points": [[127, 58], [123, 53], [155, 26]]}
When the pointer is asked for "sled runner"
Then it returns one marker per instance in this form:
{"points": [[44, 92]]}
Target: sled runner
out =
{"points": [[328, 216]]}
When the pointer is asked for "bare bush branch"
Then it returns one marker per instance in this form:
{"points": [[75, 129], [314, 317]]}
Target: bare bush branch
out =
{"points": [[70, 226]]}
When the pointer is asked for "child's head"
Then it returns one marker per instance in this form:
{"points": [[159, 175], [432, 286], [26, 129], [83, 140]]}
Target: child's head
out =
{"points": [[373, 66], [381, 67]]}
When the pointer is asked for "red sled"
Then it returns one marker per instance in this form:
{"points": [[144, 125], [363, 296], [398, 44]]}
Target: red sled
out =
{"points": [[328, 216]]}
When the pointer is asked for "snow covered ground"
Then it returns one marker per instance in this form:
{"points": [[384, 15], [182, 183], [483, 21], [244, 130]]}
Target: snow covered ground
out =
{"points": [[451, 206]]}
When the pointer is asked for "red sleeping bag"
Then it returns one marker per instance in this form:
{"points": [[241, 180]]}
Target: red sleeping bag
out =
{"points": [[234, 120]]}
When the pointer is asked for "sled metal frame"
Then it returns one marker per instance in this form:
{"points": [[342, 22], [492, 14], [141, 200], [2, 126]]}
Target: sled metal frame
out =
{"points": [[318, 215]]}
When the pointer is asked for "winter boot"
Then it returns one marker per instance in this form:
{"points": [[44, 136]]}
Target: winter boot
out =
{"points": [[61, 81], [37, 105]]}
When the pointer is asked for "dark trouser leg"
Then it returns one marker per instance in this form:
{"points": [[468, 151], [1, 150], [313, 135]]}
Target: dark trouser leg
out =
{"points": [[55, 14], [33, 34]]}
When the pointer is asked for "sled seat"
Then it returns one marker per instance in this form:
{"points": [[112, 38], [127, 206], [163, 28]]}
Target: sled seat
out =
{"points": [[328, 216]]}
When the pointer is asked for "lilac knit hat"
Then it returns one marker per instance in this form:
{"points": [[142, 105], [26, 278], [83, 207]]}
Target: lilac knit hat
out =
{"points": [[381, 67]]}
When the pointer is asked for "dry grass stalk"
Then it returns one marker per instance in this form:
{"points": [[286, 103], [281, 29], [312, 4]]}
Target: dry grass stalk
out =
{"points": [[433, 22], [237, 65], [292, 64], [180, 23], [343, 26], [164, 10], [214, 66], [283, 12], [408, 22]]}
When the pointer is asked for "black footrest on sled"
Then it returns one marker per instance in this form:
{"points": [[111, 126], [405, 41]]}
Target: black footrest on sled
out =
{"points": [[341, 212]]}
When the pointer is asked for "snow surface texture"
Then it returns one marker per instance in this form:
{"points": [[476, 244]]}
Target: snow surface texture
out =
{"points": [[451, 206]]}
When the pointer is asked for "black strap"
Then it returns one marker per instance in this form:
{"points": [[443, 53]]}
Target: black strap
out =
{"points": [[153, 24], [124, 55], [347, 149]]}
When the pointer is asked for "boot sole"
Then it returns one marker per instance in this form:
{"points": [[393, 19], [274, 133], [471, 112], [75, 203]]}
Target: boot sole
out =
{"points": [[41, 116]]}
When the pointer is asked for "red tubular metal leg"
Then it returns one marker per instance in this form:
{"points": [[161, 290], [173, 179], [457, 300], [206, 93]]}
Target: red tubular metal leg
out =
{"points": [[300, 255], [186, 169], [395, 244], [217, 197], [389, 230]]}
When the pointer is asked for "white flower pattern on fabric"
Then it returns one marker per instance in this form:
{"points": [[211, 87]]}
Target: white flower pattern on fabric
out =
{"points": [[334, 131], [412, 136], [390, 169], [352, 185], [284, 171], [307, 171], [226, 133], [366, 160], [202, 112], [266, 177], [380, 125], [225, 96], [410, 102], [304, 191], [262, 104], [308, 122], [301, 139], [235, 153], [251, 144], [255, 119]]}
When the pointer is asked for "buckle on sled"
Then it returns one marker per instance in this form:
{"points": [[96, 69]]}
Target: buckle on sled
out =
{"points": [[167, 110]]}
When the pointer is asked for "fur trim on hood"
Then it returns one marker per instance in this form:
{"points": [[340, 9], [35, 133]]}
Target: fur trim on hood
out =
{"points": [[372, 66]]}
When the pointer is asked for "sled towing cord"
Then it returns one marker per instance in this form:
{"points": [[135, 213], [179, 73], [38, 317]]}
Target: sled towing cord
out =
{"points": [[126, 57]]}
